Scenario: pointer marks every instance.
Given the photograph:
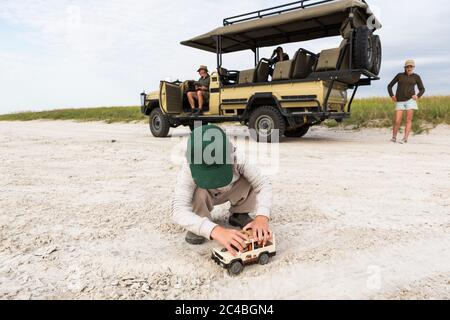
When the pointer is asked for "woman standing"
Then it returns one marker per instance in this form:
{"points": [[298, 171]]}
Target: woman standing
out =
{"points": [[405, 98]]}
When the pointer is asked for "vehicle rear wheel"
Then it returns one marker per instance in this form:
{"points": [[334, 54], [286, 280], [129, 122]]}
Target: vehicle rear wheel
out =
{"points": [[377, 55], [267, 124], [298, 132], [263, 259], [363, 48], [159, 124], [235, 268]]}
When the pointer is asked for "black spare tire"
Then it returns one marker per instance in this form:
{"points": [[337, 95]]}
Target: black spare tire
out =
{"points": [[363, 48], [377, 55]]}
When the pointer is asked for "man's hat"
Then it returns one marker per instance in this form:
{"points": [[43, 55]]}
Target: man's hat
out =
{"points": [[209, 157], [202, 67], [411, 63]]}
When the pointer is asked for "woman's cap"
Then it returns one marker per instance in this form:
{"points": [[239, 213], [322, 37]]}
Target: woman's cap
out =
{"points": [[409, 63]]}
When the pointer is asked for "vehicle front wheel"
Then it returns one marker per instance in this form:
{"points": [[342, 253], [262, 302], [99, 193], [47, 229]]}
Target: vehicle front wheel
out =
{"points": [[263, 259], [159, 124], [235, 268], [267, 124], [298, 132]]}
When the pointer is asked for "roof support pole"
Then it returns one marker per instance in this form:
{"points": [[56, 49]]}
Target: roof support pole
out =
{"points": [[256, 51], [218, 40]]}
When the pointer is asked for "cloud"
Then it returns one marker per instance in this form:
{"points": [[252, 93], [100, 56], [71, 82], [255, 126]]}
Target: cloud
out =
{"points": [[63, 53]]}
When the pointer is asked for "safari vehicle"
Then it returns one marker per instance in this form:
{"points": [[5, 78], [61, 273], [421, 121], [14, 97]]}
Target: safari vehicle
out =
{"points": [[303, 92], [253, 253]]}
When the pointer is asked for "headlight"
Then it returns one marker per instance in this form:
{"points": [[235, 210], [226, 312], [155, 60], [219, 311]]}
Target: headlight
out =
{"points": [[143, 98]]}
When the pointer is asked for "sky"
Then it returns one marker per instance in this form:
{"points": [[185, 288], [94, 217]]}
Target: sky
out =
{"points": [[85, 53]]}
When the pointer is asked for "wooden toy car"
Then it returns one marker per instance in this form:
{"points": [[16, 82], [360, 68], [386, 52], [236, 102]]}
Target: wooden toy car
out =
{"points": [[253, 253]]}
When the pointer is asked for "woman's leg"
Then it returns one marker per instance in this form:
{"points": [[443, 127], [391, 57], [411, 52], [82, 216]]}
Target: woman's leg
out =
{"points": [[397, 122], [409, 119]]}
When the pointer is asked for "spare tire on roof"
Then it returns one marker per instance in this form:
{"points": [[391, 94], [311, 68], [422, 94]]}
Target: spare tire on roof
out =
{"points": [[363, 48]]}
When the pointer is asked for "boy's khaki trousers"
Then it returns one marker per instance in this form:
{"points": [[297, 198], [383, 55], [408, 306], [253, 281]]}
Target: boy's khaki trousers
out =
{"points": [[241, 196]]}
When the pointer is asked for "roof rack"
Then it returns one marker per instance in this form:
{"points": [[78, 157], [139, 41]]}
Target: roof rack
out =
{"points": [[273, 11]]}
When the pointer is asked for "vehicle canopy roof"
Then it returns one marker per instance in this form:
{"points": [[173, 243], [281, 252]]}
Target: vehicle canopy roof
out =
{"points": [[312, 20]]}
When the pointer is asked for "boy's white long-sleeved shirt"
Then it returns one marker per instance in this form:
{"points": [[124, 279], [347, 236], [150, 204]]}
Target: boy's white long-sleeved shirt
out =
{"points": [[182, 212]]}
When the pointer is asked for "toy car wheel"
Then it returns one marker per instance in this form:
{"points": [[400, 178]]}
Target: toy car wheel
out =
{"points": [[298, 132], [235, 268], [263, 259], [267, 123], [159, 124]]}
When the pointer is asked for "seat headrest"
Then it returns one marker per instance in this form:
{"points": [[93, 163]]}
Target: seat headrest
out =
{"points": [[262, 71], [247, 76], [328, 59], [283, 70], [303, 65]]}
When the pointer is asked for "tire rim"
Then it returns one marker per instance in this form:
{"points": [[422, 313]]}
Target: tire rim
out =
{"points": [[156, 123], [264, 125]]}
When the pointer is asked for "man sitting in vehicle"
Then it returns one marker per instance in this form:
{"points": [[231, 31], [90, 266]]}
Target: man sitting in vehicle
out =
{"points": [[201, 93], [278, 55], [213, 175]]}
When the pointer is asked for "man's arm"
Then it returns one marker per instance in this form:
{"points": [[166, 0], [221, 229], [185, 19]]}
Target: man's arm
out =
{"points": [[201, 87], [391, 86], [420, 86], [181, 210]]}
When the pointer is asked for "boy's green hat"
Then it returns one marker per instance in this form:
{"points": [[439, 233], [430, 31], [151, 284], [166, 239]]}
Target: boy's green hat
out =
{"points": [[209, 157]]}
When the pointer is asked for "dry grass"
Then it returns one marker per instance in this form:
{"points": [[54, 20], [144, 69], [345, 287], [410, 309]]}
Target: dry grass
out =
{"points": [[379, 113], [370, 112]]}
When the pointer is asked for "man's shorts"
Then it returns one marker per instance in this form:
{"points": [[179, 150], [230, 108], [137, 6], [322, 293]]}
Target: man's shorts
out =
{"points": [[411, 104]]}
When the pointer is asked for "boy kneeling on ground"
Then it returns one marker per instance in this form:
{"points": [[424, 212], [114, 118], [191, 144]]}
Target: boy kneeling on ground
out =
{"points": [[213, 175]]}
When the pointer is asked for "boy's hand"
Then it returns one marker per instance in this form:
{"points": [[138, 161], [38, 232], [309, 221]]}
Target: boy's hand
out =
{"points": [[394, 98], [415, 97], [229, 237], [260, 228]]}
